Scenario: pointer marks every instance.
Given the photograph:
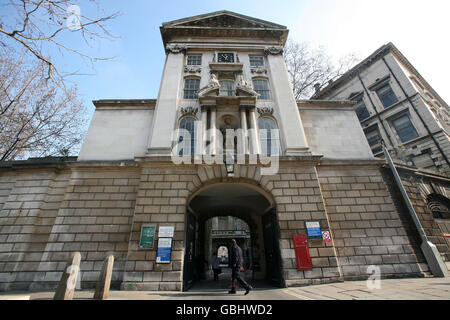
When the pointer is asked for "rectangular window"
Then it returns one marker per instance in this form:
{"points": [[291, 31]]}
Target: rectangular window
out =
{"points": [[194, 60], [374, 139], [256, 61], [361, 110], [261, 86], [226, 88], [405, 128], [191, 87], [387, 96]]}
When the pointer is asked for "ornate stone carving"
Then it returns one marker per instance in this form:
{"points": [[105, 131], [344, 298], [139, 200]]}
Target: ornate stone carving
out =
{"points": [[273, 50], [175, 48], [190, 69], [258, 70], [212, 86], [265, 111], [189, 111], [245, 86]]}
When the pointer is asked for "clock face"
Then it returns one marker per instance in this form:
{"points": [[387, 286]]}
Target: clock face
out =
{"points": [[225, 57]]}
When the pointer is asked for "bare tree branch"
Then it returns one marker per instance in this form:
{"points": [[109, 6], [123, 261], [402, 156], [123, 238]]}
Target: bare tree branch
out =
{"points": [[308, 67]]}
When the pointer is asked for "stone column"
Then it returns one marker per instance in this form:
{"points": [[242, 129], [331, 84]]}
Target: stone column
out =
{"points": [[204, 128], [213, 130], [254, 133], [291, 126], [245, 149], [164, 117]]}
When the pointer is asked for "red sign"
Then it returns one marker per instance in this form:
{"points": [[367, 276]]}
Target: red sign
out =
{"points": [[326, 236], [446, 235], [302, 252]]}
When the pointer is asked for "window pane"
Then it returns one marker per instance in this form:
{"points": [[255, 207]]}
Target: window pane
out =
{"points": [[404, 128], [194, 60], [268, 136], [374, 139], [261, 86], [361, 111], [190, 88], [387, 96], [226, 88], [186, 144], [256, 61]]}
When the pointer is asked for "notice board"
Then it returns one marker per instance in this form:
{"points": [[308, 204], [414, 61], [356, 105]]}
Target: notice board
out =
{"points": [[164, 250], [147, 236]]}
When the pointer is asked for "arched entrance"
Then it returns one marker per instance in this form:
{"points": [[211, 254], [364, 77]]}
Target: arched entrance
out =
{"points": [[222, 211]]}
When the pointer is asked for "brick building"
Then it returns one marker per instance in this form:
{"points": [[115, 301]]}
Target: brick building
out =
{"points": [[223, 71]]}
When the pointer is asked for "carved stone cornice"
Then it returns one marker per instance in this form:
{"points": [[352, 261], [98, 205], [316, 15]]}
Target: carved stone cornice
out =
{"points": [[175, 48], [265, 111], [273, 50], [188, 111], [190, 69], [258, 70]]}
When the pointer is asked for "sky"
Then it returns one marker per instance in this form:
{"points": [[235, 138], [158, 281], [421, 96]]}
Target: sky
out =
{"points": [[417, 28]]}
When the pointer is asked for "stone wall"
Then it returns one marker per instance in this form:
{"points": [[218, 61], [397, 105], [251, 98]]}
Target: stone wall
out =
{"points": [[367, 227], [418, 186], [98, 209], [31, 199]]}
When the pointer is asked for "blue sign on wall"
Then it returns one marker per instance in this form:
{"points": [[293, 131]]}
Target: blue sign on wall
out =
{"points": [[313, 229], [164, 250]]}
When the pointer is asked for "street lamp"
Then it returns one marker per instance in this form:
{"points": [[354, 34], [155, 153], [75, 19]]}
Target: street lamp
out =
{"points": [[230, 169]]}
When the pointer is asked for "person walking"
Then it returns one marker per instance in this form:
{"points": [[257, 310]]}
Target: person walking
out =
{"points": [[237, 265], [215, 267]]}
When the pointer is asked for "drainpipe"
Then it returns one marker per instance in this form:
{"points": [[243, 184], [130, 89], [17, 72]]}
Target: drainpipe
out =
{"points": [[431, 253], [417, 112]]}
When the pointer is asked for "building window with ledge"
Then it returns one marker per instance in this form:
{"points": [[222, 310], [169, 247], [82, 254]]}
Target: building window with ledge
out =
{"points": [[386, 95], [361, 110], [194, 60], [186, 137], [374, 139], [269, 137], [404, 128], [261, 86], [256, 61], [226, 88], [191, 86]]}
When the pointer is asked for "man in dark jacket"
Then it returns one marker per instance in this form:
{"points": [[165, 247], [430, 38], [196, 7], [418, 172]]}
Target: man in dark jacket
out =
{"points": [[237, 265]]}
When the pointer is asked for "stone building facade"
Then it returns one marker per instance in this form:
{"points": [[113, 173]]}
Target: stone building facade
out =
{"points": [[396, 105], [226, 71]]}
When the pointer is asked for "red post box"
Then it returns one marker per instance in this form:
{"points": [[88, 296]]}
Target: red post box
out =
{"points": [[302, 252]]}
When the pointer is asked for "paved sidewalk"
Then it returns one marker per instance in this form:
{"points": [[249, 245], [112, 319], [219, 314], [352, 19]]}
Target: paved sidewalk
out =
{"points": [[392, 289]]}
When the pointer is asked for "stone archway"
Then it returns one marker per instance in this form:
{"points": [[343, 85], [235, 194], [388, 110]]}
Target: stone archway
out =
{"points": [[238, 197]]}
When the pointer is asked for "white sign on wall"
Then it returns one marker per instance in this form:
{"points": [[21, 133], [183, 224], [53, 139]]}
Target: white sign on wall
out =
{"points": [[165, 232]]}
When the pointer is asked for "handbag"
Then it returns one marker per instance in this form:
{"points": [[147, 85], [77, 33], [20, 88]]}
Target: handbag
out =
{"points": [[219, 271]]}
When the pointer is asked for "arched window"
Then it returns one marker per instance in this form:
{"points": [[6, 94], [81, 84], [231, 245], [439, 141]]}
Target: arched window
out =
{"points": [[269, 137], [191, 86], [439, 206], [226, 88], [261, 86], [186, 137]]}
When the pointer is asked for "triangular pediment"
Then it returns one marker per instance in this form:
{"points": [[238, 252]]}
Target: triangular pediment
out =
{"points": [[223, 20]]}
